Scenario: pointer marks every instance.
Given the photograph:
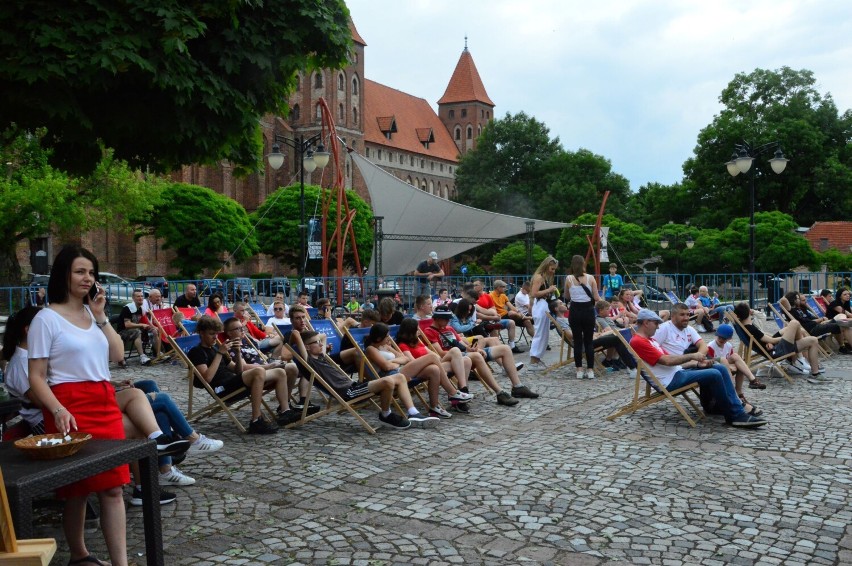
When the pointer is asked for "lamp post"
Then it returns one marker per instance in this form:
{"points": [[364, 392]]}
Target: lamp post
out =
{"points": [[310, 161], [664, 243], [741, 162]]}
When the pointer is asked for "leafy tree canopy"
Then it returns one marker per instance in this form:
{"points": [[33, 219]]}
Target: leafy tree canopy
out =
{"points": [[766, 106], [629, 244], [201, 226], [163, 84], [278, 220], [513, 258], [36, 200]]}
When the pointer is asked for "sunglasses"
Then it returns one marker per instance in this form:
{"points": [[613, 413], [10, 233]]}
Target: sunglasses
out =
{"points": [[278, 309]]}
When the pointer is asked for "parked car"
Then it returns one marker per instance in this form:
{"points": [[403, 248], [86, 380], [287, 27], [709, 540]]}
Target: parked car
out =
{"points": [[156, 281], [120, 290], [208, 286]]}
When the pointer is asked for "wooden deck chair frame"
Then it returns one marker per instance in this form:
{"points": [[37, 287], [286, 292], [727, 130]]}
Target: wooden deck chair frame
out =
{"points": [[564, 358], [252, 309], [648, 390], [334, 403], [367, 371], [756, 359], [782, 314], [425, 340], [227, 404]]}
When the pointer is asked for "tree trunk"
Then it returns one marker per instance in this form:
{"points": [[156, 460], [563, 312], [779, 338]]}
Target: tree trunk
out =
{"points": [[10, 269]]}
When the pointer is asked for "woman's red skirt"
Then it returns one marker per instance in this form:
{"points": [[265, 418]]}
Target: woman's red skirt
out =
{"points": [[93, 406]]}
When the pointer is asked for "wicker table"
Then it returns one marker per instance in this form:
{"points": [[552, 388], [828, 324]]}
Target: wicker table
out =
{"points": [[26, 478]]}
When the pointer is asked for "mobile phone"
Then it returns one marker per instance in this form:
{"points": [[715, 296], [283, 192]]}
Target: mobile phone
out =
{"points": [[93, 291]]}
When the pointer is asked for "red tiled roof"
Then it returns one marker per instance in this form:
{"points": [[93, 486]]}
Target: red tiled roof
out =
{"points": [[465, 84], [386, 124], [356, 37], [411, 114], [425, 135], [838, 234]]}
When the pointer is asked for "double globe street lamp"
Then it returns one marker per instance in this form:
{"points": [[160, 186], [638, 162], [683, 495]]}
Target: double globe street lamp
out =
{"points": [[741, 162], [310, 159]]}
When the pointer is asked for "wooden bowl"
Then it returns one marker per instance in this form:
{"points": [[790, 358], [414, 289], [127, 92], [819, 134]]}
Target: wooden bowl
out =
{"points": [[30, 447]]}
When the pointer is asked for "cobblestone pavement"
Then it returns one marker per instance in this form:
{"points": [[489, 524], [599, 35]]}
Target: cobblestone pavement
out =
{"points": [[549, 481]]}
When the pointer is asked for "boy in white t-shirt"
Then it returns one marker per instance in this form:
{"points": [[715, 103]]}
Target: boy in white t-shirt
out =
{"points": [[722, 350]]}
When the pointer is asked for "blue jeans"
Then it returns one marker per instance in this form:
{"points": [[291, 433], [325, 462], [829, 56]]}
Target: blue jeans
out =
{"points": [[721, 309], [718, 379], [169, 416]]}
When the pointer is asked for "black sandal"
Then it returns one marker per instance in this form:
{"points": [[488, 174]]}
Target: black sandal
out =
{"points": [[756, 384], [86, 560]]}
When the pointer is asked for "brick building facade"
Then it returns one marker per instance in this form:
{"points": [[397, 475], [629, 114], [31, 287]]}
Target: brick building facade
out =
{"points": [[398, 131]]}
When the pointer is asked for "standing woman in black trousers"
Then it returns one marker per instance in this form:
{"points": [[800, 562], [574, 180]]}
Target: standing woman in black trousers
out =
{"points": [[582, 289]]}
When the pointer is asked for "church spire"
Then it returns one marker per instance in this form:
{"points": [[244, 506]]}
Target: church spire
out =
{"points": [[465, 84]]}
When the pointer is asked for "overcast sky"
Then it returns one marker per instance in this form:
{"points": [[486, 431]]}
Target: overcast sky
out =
{"points": [[632, 80]]}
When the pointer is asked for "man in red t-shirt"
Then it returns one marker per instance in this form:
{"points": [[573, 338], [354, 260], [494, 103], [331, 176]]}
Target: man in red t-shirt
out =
{"points": [[673, 375]]}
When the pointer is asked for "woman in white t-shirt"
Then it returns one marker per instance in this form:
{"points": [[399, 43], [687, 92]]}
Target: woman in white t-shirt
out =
{"points": [[70, 346], [17, 373]]}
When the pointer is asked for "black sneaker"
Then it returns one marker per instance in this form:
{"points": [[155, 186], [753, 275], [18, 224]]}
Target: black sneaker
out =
{"points": [[517, 350], [523, 392], [519, 366], [178, 459], [504, 398], [395, 420], [260, 426], [289, 417], [168, 446], [747, 421], [311, 407], [460, 408], [423, 421], [136, 498]]}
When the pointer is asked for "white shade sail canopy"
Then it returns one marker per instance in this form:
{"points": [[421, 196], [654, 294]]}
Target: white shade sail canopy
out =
{"points": [[436, 224]]}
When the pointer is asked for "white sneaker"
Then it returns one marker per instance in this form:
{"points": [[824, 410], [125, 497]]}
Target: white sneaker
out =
{"points": [[795, 365], [590, 374], [439, 412], [175, 477], [805, 364], [461, 396], [144, 360], [205, 445], [580, 373]]}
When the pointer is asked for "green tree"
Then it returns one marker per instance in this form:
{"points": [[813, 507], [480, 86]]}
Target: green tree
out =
{"points": [[778, 248], [654, 205], [278, 218], [202, 227], [504, 173], [629, 244], [513, 258], [162, 83], [37, 200], [766, 106], [834, 260]]}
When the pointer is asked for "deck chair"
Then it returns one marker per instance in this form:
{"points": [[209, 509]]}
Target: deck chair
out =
{"points": [[815, 306], [227, 404], [565, 346], [782, 314], [752, 351], [673, 299], [225, 316], [333, 402], [654, 391], [367, 370], [823, 306], [312, 312]]}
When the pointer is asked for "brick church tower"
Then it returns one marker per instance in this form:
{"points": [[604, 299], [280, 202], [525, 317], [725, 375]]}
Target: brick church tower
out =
{"points": [[465, 108]]}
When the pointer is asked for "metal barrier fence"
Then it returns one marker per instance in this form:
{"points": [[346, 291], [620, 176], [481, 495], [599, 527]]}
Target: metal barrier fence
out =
{"points": [[731, 287]]}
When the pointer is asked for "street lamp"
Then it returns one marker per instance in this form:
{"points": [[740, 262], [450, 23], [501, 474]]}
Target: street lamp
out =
{"points": [[664, 243], [741, 162], [310, 161]]}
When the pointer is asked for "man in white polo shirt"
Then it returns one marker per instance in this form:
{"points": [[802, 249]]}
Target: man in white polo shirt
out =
{"points": [[677, 336]]}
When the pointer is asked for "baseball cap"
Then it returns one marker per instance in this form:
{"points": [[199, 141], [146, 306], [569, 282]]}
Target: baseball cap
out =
{"points": [[500, 283], [646, 314], [442, 312], [433, 255], [725, 331]]}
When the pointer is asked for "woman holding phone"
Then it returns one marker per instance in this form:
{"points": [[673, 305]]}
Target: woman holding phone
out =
{"points": [[70, 346]]}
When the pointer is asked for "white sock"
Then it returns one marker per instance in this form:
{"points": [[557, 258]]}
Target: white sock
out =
{"points": [[511, 343], [386, 413], [412, 411], [155, 434]]}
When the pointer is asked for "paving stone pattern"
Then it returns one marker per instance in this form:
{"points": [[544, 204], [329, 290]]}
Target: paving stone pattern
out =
{"points": [[549, 481]]}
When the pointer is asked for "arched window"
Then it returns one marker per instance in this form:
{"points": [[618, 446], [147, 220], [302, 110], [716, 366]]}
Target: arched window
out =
{"points": [[298, 81], [319, 112], [479, 130], [355, 86], [469, 133], [355, 116], [318, 79], [296, 112], [432, 187], [340, 82], [458, 133], [340, 114]]}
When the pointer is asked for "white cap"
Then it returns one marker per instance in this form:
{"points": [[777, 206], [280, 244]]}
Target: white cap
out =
{"points": [[433, 255]]}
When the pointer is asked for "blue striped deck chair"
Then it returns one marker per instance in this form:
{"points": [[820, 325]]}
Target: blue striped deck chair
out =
{"points": [[648, 389]]}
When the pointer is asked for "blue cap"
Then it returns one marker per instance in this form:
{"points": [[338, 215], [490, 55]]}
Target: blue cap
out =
{"points": [[725, 331]]}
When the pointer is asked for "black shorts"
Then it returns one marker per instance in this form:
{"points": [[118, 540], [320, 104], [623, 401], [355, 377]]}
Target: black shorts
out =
{"points": [[228, 381], [354, 391], [783, 348]]}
